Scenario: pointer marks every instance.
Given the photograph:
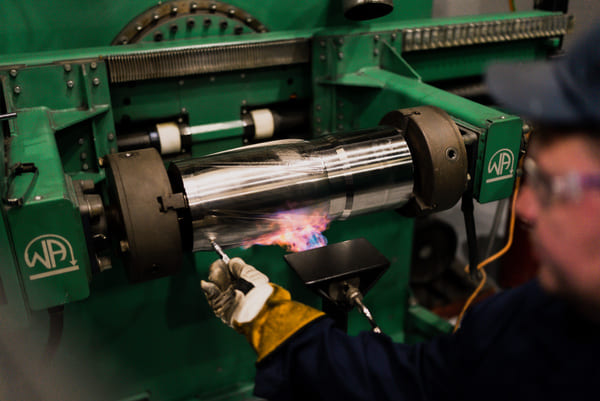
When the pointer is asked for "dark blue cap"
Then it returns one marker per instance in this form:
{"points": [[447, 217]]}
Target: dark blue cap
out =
{"points": [[563, 91]]}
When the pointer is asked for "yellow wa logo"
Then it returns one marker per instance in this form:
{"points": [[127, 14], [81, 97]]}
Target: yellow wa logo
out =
{"points": [[52, 252]]}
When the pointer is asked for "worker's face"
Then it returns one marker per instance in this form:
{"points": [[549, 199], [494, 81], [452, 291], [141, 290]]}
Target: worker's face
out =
{"points": [[565, 230]]}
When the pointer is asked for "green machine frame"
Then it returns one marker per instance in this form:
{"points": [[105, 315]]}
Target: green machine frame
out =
{"points": [[72, 76]]}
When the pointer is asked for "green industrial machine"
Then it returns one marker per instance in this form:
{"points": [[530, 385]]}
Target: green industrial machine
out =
{"points": [[119, 121]]}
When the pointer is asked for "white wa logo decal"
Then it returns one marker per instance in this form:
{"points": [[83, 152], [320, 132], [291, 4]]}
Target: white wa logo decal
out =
{"points": [[501, 165], [52, 252]]}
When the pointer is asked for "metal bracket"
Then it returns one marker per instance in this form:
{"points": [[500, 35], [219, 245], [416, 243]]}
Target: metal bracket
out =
{"points": [[171, 201], [15, 171]]}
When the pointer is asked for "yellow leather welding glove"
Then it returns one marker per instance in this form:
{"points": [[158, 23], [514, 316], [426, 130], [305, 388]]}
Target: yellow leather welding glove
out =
{"points": [[244, 299]]}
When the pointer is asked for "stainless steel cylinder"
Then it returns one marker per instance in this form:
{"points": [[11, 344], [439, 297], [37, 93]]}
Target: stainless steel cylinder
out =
{"points": [[361, 10], [240, 194]]}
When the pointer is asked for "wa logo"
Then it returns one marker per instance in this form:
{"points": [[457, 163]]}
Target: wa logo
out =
{"points": [[52, 252], [501, 165]]}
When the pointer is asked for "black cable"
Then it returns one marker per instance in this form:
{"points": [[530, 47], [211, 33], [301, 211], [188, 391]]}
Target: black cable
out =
{"points": [[467, 209]]}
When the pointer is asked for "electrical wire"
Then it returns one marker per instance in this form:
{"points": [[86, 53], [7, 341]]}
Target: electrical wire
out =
{"points": [[480, 266], [511, 5]]}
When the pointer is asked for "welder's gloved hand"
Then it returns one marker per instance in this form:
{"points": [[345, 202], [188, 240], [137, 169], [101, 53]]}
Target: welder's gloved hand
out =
{"points": [[245, 300], [236, 292]]}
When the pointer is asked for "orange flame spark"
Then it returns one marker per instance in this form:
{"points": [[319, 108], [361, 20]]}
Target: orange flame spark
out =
{"points": [[295, 230]]}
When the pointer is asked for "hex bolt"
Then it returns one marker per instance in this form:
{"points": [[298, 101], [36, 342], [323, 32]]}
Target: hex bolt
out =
{"points": [[17, 90], [223, 24], [13, 72], [70, 84], [190, 23], [213, 7], [158, 36], [96, 81], [207, 22], [193, 7], [231, 12], [139, 27], [124, 245], [83, 155], [249, 20], [67, 67], [123, 40], [93, 65], [173, 28], [155, 17], [174, 10], [238, 30]]}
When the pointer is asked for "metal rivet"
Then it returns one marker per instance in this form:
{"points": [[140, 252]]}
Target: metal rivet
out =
{"points": [[38, 197], [242, 75], [183, 110], [85, 167], [155, 17], [244, 101], [340, 55], [231, 12], [17, 90], [113, 150], [158, 36], [340, 116], [173, 28], [67, 67], [340, 41], [194, 6], [128, 154], [394, 35], [96, 81], [341, 126], [213, 7], [322, 57], [81, 141], [181, 82], [70, 84], [322, 43], [83, 155], [174, 10], [376, 38], [212, 79], [207, 22], [190, 23], [376, 52], [139, 27], [318, 107], [223, 24], [249, 20], [502, 117], [318, 120], [93, 65], [13, 72]]}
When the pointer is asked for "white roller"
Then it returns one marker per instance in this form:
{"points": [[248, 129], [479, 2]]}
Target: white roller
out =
{"points": [[169, 137], [264, 125]]}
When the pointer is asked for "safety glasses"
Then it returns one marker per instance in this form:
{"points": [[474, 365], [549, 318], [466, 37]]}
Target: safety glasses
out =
{"points": [[565, 188]]}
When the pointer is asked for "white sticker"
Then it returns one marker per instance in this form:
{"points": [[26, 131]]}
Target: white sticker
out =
{"points": [[501, 165], [52, 252]]}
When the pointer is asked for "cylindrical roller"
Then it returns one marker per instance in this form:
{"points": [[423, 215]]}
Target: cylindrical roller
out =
{"points": [[232, 196]]}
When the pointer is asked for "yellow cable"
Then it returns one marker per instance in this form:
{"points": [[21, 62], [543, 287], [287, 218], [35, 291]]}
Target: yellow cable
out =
{"points": [[492, 258]]}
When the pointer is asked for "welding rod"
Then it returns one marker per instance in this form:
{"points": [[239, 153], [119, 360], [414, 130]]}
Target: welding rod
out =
{"points": [[220, 251]]}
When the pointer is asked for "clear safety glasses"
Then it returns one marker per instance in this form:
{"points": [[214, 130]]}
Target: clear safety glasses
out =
{"points": [[564, 188]]}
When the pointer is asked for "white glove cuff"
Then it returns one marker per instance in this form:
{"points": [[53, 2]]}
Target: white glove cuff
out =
{"points": [[251, 304]]}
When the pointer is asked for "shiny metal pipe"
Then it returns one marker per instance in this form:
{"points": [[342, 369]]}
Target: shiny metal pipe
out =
{"points": [[236, 195]]}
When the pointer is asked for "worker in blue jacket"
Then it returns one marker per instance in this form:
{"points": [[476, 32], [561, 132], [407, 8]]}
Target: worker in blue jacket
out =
{"points": [[540, 341]]}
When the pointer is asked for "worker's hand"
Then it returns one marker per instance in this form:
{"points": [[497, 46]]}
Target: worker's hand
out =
{"points": [[236, 292]]}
